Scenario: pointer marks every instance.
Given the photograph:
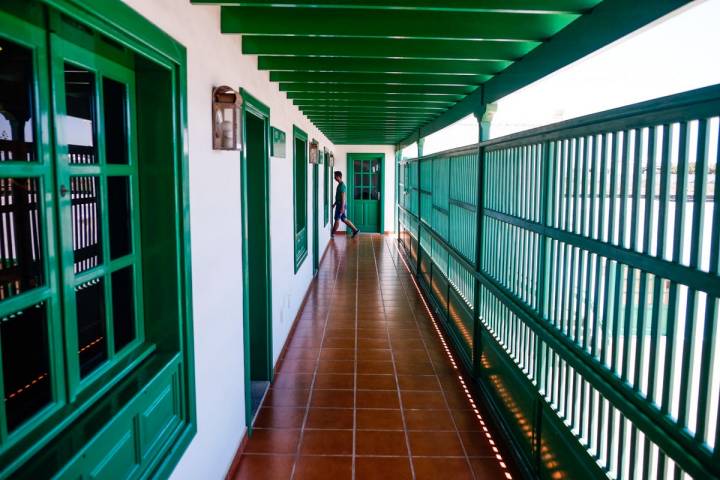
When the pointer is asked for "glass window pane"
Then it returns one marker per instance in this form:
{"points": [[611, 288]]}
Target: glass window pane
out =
{"points": [[90, 302], [78, 125], [114, 103], [21, 266], [358, 193], [119, 216], [17, 141], [25, 364], [87, 246], [123, 307]]}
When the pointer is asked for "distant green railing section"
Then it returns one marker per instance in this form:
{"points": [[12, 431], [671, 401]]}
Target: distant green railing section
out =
{"points": [[591, 307]]}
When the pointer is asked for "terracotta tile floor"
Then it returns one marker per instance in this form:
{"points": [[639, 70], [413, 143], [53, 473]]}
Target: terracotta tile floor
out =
{"points": [[366, 390]]}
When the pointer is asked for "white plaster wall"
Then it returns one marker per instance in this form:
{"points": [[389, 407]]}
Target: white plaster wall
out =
{"points": [[216, 59], [341, 152]]}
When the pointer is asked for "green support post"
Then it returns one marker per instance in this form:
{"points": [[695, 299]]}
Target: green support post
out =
{"points": [[484, 115], [398, 157], [420, 143]]}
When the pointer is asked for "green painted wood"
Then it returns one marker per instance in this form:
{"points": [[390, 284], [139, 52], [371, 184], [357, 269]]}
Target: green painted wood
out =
{"points": [[257, 268], [390, 104], [574, 284], [381, 65], [300, 168], [400, 97], [367, 213], [483, 25], [57, 433], [375, 88], [474, 50], [570, 6], [316, 217], [359, 78]]}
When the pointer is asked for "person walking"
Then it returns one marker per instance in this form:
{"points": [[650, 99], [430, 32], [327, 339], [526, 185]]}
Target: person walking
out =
{"points": [[341, 206]]}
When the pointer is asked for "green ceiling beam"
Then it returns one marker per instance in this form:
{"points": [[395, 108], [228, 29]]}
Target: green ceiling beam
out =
{"points": [[483, 25], [328, 128], [386, 48], [381, 65], [559, 6], [378, 115], [352, 130], [309, 111], [364, 123], [391, 78], [333, 126], [385, 105], [359, 117], [606, 23], [374, 88], [373, 97], [377, 131], [376, 110]]}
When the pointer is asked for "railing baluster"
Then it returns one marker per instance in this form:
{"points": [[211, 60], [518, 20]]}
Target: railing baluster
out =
{"points": [[678, 243]]}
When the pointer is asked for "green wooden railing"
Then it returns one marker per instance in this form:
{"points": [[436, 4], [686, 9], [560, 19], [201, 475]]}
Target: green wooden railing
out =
{"points": [[588, 310]]}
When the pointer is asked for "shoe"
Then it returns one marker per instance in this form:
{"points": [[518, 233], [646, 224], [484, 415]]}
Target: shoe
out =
{"points": [[355, 233]]}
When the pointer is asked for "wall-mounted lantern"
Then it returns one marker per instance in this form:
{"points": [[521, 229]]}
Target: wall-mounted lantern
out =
{"points": [[226, 119], [331, 159], [314, 152]]}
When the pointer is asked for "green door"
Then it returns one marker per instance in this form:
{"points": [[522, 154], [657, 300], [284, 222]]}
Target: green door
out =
{"points": [[316, 219], [365, 191]]}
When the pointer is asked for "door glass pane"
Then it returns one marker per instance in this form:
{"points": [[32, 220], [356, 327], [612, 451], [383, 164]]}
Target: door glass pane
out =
{"points": [[374, 186], [21, 266], [17, 140], [85, 197], [25, 364], [90, 303], [123, 307], [114, 101], [119, 216], [78, 125]]}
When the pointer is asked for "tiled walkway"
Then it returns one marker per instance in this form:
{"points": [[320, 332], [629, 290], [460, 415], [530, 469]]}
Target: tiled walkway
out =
{"points": [[366, 390]]}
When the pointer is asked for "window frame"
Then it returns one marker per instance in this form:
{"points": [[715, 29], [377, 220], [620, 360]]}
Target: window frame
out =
{"points": [[300, 189], [35, 39], [72, 426], [64, 52]]}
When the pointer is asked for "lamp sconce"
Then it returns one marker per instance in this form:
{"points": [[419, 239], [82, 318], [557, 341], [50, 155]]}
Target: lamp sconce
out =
{"points": [[331, 159], [226, 119], [314, 152]]}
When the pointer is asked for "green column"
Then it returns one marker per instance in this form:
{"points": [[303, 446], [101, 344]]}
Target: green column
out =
{"points": [[484, 114]]}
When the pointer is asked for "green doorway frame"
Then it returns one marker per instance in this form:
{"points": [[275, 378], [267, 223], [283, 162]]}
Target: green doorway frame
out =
{"points": [[316, 216], [351, 186], [257, 288]]}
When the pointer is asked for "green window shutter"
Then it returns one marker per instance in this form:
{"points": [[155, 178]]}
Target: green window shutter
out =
{"points": [[300, 167]]}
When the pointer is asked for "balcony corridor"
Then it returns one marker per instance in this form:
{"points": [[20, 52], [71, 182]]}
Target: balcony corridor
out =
{"points": [[366, 389]]}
